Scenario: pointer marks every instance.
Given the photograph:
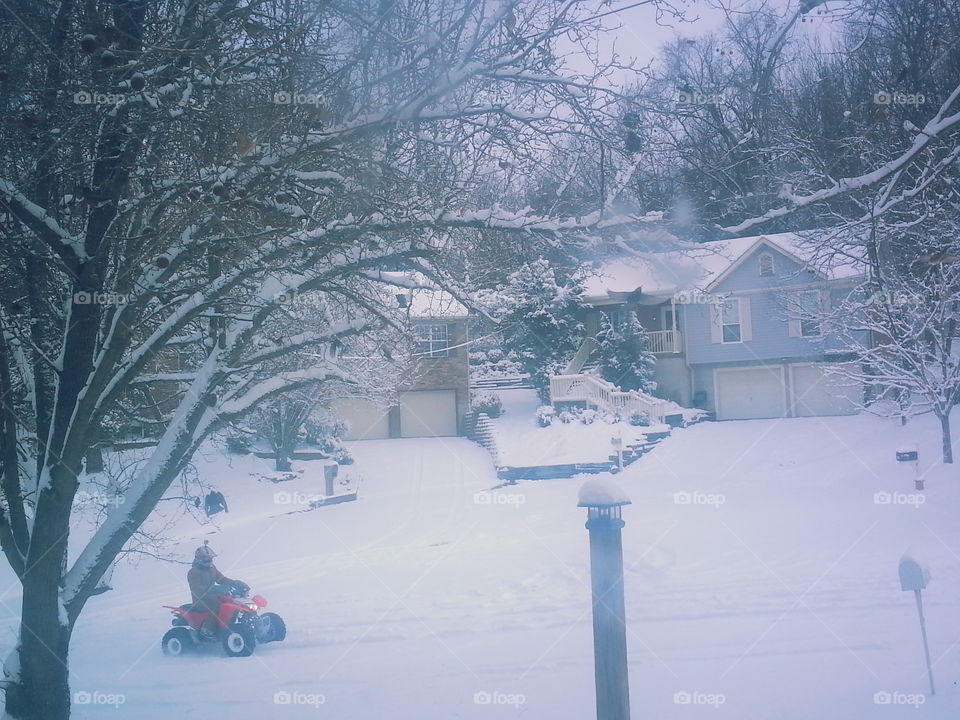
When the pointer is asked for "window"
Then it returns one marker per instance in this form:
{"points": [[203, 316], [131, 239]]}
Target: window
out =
{"points": [[730, 320], [809, 306], [618, 319], [433, 340], [766, 265]]}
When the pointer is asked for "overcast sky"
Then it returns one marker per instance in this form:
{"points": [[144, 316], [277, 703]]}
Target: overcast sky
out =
{"points": [[640, 37]]}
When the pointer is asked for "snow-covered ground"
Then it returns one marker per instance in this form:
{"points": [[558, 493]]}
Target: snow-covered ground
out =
{"points": [[761, 582], [520, 442]]}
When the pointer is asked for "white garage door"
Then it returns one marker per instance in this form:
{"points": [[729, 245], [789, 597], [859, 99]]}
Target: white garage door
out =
{"points": [[368, 421], [746, 393], [428, 413], [817, 392]]}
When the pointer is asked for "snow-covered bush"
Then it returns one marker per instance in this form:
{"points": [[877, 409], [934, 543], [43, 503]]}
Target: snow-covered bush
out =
{"points": [[588, 416], [545, 415], [238, 443], [488, 403], [567, 417], [639, 418]]}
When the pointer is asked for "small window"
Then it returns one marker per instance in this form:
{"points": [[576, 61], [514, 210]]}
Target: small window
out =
{"points": [[810, 311], [766, 265], [730, 320], [433, 340]]}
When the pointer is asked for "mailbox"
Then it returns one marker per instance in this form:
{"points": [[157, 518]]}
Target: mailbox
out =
{"points": [[908, 453], [908, 456], [913, 575]]}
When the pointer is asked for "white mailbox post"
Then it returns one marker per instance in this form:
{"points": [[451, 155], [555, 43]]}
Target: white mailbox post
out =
{"points": [[909, 456], [915, 576], [617, 442]]}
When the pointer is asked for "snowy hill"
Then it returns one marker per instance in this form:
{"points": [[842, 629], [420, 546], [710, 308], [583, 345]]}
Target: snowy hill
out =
{"points": [[761, 581]]}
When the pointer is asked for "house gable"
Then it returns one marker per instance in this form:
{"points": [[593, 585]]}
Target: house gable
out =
{"points": [[745, 272]]}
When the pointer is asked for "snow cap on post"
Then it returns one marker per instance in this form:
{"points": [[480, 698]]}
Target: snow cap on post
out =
{"points": [[602, 493]]}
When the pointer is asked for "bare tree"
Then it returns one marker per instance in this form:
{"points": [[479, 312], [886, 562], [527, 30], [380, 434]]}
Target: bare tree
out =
{"points": [[174, 170]]}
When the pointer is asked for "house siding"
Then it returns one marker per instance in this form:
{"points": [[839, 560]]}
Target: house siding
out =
{"points": [[771, 339]]}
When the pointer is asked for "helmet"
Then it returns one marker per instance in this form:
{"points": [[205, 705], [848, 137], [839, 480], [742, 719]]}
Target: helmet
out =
{"points": [[204, 554]]}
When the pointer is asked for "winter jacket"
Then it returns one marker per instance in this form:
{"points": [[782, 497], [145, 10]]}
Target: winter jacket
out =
{"points": [[203, 577]]}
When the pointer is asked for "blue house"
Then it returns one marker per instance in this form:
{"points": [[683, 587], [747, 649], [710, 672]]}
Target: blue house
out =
{"points": [[739, 327]]}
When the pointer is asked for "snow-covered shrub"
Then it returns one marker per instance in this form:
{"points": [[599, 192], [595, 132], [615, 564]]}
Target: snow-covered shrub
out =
{"points": [[588, 416], [639, 418], [238, 444], [567, 417], [545, 415], [488, 403]]}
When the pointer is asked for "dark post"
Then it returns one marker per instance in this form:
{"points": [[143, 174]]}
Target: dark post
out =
{"points": [[603, 501]]}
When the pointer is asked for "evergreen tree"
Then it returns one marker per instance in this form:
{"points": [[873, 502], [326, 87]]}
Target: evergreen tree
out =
{"points": [[625, 357], [540, 321]]}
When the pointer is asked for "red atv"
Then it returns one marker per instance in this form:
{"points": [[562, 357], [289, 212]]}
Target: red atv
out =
{"points": [[239, 630]]}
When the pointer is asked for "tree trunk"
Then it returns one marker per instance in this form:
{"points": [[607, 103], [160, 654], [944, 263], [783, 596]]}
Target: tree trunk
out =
{"points": [[947, 440], [283, 458], [40, 687]]}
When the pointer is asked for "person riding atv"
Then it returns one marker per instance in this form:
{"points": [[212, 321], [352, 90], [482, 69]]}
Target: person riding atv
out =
{"points": [[207, 584]]}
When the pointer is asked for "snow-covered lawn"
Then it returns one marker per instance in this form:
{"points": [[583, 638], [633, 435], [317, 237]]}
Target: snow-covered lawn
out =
{"points": [[761, 571], [520, 442]]}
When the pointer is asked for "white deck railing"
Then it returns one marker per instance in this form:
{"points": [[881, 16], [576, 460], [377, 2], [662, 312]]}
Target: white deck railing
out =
{"points": [[666, 341], [597, 392]]}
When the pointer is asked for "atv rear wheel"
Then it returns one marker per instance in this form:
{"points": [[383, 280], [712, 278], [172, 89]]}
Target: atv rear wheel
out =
{"points": [[177, 641], [271, 628], [239, 641]]}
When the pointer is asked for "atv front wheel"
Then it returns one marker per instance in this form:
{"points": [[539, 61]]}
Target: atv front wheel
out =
{"points": [[177, 642], [271, 628], [239, 641]]}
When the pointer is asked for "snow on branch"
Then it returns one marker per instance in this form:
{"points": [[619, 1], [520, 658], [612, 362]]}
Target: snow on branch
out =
{"points": [[931, 134], [41, 223]]}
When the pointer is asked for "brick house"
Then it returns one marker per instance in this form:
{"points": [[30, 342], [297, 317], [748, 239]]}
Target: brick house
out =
{"points": [[433, 395]]}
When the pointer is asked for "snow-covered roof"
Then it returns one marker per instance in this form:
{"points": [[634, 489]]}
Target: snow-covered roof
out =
{"points": [[602, 492], [423, 298], [698, 266], [429, 303]]}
